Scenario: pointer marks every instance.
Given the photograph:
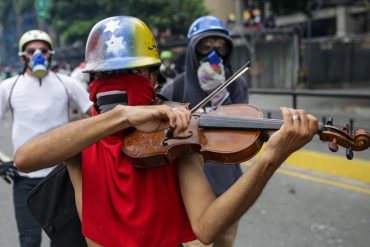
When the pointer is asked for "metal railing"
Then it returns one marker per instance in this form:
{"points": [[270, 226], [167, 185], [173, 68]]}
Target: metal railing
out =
{"points": [[308, 92], [295, 93]]}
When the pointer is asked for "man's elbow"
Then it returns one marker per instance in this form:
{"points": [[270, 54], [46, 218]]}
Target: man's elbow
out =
{"points": [[205, 241], [204, 236], [22, 161]]}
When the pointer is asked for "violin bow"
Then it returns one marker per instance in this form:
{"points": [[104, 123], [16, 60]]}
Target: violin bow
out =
{"points": [[235, 76]]}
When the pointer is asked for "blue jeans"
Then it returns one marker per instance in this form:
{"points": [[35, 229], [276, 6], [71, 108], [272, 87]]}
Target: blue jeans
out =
{"points": [[29, 229]]}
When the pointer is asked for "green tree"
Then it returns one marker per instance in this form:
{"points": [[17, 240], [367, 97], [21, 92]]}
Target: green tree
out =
{"points": [[175, 15], [73, 19], [18, 7]]}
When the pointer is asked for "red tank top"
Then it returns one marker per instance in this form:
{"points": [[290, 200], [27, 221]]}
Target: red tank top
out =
{"points": [[124, 206]]}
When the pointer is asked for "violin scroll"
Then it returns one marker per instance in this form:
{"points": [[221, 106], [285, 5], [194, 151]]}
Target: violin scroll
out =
{"points": [[360, 140]]}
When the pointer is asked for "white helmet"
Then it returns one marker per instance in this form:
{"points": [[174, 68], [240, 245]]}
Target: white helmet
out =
{"points": [[34, 35]]}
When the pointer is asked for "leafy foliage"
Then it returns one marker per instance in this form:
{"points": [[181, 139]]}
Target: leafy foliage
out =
{"points": [[73, 19], [17, 7], [177, 15]]}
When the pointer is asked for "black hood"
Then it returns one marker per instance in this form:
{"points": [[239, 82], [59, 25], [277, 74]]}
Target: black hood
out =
{"points": [[192, 90]]}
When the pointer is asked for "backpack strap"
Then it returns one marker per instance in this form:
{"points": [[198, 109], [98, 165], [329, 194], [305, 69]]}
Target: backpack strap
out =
{"points": [[10, 95], [68, 96]]}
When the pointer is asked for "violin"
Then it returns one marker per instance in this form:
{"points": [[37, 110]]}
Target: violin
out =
{"points": [[231, 134]]}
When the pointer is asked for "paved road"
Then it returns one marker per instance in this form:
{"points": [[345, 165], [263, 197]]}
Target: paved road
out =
{"points": [[291, 212], [295, 212], [299, 207]]}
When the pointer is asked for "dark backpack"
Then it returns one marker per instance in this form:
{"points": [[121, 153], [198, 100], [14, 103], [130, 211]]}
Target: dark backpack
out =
{"points": [[52, 203]]}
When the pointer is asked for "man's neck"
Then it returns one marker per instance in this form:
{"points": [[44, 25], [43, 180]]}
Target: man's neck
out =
{"points": [[29, 72]]}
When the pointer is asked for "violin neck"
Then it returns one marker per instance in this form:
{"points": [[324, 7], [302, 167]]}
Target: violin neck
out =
{"points": [[210, 121]]}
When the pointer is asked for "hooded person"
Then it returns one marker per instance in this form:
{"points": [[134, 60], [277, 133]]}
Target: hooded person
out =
{"points": [[207, 66]]}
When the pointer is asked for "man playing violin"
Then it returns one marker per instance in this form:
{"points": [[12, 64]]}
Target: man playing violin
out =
{"points": [[121, 205]]}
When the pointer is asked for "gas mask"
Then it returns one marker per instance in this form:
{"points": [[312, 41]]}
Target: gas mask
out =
{"points": [[211, 74], [39, 64]]}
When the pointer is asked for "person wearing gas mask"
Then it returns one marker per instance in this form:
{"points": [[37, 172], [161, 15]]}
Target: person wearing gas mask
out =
{"points": [[38, 100], [207, 66], [168, 67]]}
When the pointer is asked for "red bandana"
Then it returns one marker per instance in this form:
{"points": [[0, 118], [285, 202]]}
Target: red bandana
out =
{"points": [[139, 90]]}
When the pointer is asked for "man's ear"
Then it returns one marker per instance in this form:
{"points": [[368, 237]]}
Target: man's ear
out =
{"points": [[23, 59]]}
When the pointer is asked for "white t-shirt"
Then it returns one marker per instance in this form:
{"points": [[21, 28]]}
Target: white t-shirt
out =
{"points": [[83, 78], [38, 107]]}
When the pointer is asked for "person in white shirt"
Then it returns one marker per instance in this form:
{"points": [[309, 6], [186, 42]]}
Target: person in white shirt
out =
{"points": [[38, 100], [83, 78]]}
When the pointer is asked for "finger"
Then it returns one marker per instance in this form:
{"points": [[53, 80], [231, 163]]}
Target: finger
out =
{"points": [[303, 120], [313, 123], [185, 120], [287, 116], [167, 112], [181, 121], [174, 121], [296, 118], [186, 112]]}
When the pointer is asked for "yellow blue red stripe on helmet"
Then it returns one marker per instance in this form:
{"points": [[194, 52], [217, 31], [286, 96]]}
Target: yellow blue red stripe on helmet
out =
{"points": [[114, 44]]}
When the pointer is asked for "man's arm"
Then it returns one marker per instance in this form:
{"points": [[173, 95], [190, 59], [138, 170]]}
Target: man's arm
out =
{"points": [[210, 216], [60, 144]]}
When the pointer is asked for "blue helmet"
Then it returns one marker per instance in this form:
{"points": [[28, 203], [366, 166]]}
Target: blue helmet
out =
{"points": [[206, 23]]}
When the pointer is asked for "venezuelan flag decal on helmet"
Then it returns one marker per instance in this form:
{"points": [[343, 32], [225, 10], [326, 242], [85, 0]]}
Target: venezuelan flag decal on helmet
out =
{"points": [[114, 44]]}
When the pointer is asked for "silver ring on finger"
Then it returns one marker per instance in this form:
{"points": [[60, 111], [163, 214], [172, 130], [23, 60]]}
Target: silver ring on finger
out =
{"points": [[296, 118]]}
